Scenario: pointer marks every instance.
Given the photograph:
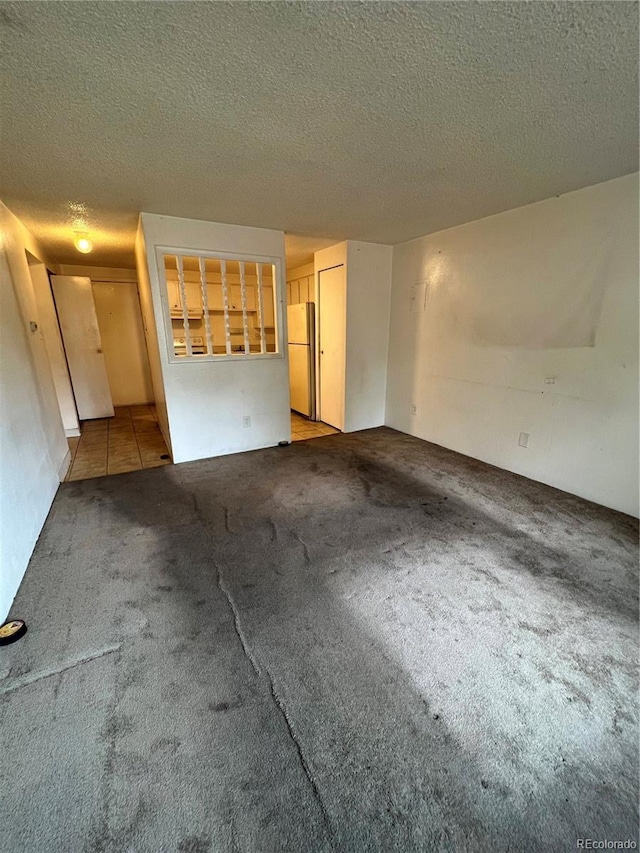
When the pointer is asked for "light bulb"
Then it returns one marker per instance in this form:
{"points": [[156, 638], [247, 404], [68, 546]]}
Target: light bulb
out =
{"points": [[82, 242]]}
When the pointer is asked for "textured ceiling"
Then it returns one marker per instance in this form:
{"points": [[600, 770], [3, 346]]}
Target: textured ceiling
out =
{"points": [[370, 121]]}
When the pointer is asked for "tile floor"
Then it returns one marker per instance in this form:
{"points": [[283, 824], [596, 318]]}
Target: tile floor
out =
{"points": [[129, 441], [132, 440], [302, 429]]}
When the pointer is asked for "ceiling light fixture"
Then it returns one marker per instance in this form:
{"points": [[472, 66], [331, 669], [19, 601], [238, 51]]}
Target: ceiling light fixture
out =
{"points": [[82, 242]]}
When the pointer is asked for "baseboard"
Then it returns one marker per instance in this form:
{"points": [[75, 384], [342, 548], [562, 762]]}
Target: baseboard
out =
{"points": [[64, 466], [72, 433]]}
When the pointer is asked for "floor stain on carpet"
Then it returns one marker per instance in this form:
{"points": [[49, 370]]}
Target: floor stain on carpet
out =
{"points": [[407, 650]]}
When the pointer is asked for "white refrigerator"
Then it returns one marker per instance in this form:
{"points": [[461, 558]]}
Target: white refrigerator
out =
{"points": [[302, 358]]}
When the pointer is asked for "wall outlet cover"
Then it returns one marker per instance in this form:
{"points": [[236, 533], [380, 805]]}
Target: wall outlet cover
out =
{"points": [[246, 421], [414, 410], [523, 441]]}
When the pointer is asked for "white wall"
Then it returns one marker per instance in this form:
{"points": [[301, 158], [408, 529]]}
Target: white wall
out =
{"points": [[332, 256], [368, 297], [98, 273], [530, 326], [207, 401], [34, 455], [368, 276]]}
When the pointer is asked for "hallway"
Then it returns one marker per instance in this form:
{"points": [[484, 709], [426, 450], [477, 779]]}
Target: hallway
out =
{"points": [[130, 441]]}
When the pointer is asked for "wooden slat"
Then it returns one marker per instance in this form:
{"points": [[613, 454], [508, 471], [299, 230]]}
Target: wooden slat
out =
{"points": [[185, 309], [236, 289], [205, 306], [225, 303], [260, 311], [243, 301]]}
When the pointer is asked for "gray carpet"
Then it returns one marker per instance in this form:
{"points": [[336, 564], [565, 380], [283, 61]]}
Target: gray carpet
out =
{"points": [[357, 643]]}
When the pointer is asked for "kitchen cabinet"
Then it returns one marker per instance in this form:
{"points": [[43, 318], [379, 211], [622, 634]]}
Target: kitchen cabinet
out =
{"points": [[267, 305], [235, 297], [300, 290], [214, 297], [194, 306], [216, 303]]}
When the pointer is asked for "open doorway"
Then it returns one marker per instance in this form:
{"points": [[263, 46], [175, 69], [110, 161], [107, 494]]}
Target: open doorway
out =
{"points": [[130, 439], [102, 332], [303, 325], [97, 355]]}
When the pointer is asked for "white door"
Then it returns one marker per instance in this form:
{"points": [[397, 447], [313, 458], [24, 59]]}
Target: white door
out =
{"points": [[125, 352], [332, 323], [81, 336]]}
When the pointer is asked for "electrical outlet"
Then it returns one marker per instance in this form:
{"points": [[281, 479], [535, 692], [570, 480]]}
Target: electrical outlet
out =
{"points": [[550, 380], [414, 410], [523, 441], [246, 421]]}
